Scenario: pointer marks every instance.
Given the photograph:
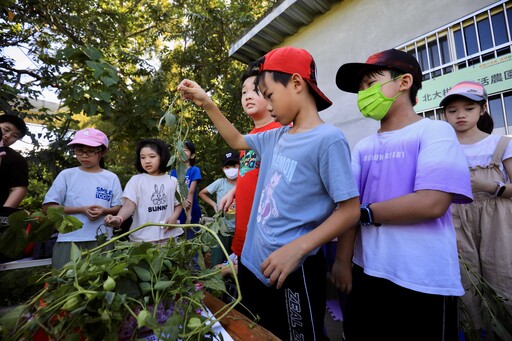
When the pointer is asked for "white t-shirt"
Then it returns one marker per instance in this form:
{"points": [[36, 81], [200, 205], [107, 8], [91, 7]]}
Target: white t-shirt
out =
{"points": [[480, 153], [154, 197], [75, 187], [425, 155]]}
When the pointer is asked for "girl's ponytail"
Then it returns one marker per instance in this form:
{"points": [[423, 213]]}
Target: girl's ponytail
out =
{"points": [[485, 122]]}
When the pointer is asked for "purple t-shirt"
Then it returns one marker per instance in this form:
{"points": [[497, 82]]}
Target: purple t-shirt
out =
{"points": [[425, 155]]}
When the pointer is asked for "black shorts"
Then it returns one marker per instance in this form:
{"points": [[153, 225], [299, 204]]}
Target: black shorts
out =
{"points": [[296, 311], [378, 309]]}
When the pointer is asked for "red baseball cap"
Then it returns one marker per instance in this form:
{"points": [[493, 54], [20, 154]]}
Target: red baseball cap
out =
{"points": [[292, 60], [349, 75]]}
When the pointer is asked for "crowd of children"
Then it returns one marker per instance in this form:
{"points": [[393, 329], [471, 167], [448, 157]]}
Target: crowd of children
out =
{"points": [[403, 204]]}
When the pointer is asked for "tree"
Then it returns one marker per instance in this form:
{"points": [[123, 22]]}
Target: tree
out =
{"points": [[116, 64]]}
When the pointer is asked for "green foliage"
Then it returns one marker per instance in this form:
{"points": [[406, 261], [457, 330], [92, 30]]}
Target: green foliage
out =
{"points": [[129, 289], [118, 63], [14, 237], [493, 305], [20, 284]]}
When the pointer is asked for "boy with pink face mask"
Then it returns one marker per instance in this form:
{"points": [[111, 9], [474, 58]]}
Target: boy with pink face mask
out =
{"points": [[230, 166]]}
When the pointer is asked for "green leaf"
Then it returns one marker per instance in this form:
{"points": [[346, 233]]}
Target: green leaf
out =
{"points": [[108, 81], [194, 323], [141, 318], [96, 67], [41, 232], [69, 224], [142, 273], [109, 284], [12, 242], [215, 283], [92, 52], [162, 285], [170, 120], [10, 319], [145, 287], [75, 253]]}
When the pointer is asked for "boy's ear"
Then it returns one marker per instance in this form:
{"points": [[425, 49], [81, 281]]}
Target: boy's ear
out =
{"points": [[406, 82], [297, 80]]}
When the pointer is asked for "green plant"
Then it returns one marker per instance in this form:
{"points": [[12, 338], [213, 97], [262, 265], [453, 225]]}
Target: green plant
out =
{"points": [[14, 237], [106, 294], [493, 304]]}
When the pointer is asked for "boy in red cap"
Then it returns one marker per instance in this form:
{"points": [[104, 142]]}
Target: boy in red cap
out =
{"points": [[305, 197], [405, 276]]}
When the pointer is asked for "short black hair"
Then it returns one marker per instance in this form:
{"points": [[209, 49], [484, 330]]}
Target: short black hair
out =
{"points": [[394, 73], [15, 121], [191, 146], [159, 147], [252, 71], [278, 77]]}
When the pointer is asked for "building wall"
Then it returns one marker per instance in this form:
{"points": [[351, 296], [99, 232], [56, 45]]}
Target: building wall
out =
{"points": [[354, 29]]}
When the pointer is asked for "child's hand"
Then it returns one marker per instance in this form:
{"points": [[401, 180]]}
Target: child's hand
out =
{"points": [[93, 212], [226, 201], [280, 264], [341, 276], [112, 221], [187, 203], [171, 220], [191, 91]]}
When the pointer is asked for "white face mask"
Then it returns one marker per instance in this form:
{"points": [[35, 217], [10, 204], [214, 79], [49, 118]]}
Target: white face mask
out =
{"points": [[231, 173]]}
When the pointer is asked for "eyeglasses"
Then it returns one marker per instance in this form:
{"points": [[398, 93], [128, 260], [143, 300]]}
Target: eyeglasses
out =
{"points": [[86, 152]]}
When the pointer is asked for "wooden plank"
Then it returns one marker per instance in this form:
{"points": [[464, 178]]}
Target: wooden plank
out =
{"points": [[25, 263], [238, 326]]}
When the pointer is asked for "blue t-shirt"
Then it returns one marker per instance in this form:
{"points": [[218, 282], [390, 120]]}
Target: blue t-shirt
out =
{"points": [[302, 177], [193, 174]]}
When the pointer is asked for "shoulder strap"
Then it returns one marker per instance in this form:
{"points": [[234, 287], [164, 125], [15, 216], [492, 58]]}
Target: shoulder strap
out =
{"points": [[500, 150]]}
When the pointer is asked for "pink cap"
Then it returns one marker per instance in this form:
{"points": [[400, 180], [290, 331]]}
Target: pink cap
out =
{"points": [[90, 137], [472, 90]]}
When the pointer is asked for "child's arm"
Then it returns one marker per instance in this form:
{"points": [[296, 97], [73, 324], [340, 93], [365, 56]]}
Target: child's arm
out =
{"points": [[190, 194], [190, 90], [93, 212], [412, 208], [227, 200], [341, 272], [16, 195], [67, 209], [285, 260], [204, 194], [173, 219], [124, 213]]}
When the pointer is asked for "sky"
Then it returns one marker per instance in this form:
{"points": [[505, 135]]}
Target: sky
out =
{"points": [[21, 61]]}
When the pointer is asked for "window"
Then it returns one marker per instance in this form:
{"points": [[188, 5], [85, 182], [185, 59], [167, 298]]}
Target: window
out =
{"points": [[476, 38], [496, 110]]}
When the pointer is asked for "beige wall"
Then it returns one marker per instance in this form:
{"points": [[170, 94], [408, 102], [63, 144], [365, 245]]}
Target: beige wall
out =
{"points": [[354, 29]]}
